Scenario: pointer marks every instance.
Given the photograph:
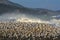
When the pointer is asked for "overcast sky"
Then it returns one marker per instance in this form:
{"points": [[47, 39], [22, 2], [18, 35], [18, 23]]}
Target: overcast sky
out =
{"points": [[47, 4]]}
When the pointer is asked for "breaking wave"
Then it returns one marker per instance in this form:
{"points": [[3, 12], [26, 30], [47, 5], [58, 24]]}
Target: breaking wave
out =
{"points": [[26, 18]]}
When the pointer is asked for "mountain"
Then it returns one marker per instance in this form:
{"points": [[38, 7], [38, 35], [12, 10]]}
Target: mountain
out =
{"points": [[6, 6]]}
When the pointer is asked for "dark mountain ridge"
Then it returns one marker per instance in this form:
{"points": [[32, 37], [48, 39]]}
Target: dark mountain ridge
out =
{"points": [[7, 5]]}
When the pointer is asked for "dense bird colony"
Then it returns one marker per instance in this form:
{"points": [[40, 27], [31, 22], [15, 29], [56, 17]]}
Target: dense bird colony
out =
{"points": [[28, 31]]}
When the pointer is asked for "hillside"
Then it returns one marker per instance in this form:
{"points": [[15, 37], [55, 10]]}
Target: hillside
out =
{"points": [[7, 6]]}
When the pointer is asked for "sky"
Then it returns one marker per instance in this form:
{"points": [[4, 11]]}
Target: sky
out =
{"points": [[46, 4]]}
